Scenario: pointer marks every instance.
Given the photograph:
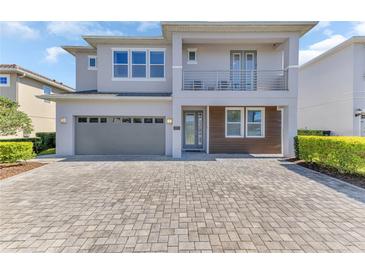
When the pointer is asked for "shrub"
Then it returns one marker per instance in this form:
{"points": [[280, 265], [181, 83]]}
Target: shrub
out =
{"points": [[313, 132], [48, 140], [35, 141], [346, 154], [11, 152]]}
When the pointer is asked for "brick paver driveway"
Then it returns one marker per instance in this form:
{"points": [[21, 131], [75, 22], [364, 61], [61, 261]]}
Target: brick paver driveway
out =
{"points": [[249, 205]]}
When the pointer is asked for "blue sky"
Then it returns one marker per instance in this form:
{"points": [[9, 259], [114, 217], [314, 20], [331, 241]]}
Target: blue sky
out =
{"points": [[36, 45]]}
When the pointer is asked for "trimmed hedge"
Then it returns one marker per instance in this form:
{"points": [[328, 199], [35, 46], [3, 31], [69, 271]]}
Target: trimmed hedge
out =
{"points": [[345, 154], [313, 132], [48, 140], [11, 152], [35, 141]]}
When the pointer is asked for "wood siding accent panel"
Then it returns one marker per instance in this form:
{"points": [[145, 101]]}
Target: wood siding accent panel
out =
{"points": [[218, 143]]}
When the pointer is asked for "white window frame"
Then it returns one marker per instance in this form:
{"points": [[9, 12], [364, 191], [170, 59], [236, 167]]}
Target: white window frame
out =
{"points": [[128, 64], [146, 64], [149, 64], [7, 76], [192, 62], [88, 62], [262, 109], [242, 123], [139, 79]]}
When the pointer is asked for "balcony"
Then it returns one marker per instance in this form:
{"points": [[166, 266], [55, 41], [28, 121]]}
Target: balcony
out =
{"points": [[236, 80]]}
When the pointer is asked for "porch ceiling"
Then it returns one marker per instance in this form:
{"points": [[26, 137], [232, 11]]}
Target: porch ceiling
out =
{"points": [[275, 40]]}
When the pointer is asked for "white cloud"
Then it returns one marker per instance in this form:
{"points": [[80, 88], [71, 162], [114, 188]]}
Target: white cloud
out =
{"points": [[318, 48], [73, 30], [53, 53], [322, 25], [328, 43], [328, 32], [359, 28], [18, 29], [145, 26]]}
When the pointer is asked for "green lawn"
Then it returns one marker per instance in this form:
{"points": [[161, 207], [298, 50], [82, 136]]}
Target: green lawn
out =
{"points": [[48, 151]]}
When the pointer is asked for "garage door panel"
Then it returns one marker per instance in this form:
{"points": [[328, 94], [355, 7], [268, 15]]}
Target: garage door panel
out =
{"points": [[120, 139]]}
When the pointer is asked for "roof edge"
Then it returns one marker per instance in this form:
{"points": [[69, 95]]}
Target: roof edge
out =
{"points": [[344, 44], [73, 50], [38, 77]]}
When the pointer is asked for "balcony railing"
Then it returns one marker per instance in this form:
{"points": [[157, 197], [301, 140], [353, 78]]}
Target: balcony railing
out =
{"points": [[240, 80]]}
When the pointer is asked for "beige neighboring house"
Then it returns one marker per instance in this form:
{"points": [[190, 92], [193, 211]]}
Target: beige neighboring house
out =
{"points": [[22, 85], [332, 90]]}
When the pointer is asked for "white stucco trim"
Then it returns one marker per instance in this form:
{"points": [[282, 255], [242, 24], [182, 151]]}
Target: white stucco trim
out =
{"points": [[89, 97]]}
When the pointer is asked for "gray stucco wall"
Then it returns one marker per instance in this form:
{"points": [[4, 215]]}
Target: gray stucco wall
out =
{"points": [[106, 84], [217, 56], [85, 79]]}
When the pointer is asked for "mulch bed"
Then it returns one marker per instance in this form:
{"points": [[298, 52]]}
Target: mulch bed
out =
{"points": [[8, 170], [353, 179]]}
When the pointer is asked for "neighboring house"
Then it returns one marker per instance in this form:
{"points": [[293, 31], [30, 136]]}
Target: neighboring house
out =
{"points": [[22, 86], [218, 87], [332, 90]]}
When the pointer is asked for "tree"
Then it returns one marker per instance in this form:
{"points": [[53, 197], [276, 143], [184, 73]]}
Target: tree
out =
{"points": [[13, 120]]}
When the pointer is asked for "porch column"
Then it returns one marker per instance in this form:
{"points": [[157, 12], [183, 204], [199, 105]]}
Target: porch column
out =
{"points": [[289, 128], [176, 62], [291, 61], [176, 130]]}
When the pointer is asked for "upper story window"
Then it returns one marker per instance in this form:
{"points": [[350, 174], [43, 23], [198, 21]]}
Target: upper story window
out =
{"points": [[47, 91], [139, 64], [234, 122], [192, 56], [157, 64], [120, 64], [255, 122], [92, 62], [4, 80]]}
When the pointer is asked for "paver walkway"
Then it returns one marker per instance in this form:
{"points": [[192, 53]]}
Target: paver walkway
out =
{"points": [[229, 205]]}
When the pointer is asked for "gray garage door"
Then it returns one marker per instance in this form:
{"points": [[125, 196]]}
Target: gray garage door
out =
{"points": [[120, 135]]}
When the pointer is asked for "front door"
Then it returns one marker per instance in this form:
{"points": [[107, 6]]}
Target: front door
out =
{"points": [[362, 128], [193, 130]]}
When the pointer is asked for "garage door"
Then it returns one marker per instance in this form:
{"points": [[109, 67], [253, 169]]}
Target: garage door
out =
{"points": [[120, 135]]}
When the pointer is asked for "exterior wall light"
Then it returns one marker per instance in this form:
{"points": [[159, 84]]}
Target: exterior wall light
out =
{"points": [[169, 121], [63, 120], [359, 112]]}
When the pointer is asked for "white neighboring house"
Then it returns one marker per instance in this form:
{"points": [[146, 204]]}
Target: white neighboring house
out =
{"points": [[332, 90], [215, 87]]}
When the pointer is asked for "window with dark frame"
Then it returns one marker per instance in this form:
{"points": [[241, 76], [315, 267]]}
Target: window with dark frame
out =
{"points": [[82, 120], [93, 120], [158, 120], [137, 120], [127, 120]]}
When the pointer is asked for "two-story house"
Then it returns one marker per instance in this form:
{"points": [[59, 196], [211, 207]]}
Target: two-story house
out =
{"points": [[217, 87], [332, 90], [22, 86]]}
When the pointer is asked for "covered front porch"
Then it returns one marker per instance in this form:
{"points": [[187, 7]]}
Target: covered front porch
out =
{"points": [[235, 128]]}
